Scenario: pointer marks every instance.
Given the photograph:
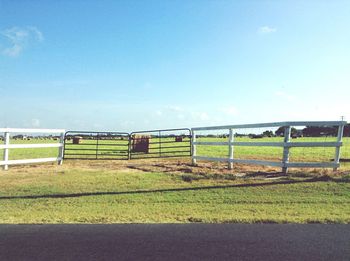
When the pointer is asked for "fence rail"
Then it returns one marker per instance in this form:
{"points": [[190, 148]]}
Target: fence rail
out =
{"points": [[7, 146], [174, 142], [286, 145]]}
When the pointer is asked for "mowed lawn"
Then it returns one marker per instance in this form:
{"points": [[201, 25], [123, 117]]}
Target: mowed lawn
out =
{"points": [[104, 192], [117, 192]]}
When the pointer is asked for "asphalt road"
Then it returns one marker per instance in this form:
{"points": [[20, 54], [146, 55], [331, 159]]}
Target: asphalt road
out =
{"points": [[175, 242]]}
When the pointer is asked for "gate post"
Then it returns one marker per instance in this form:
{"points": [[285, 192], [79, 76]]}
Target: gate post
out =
{"points": [[6, 150], [61, 149], [129, 146], [337, 149], [230, 149], [194, 148], [285, 160]]}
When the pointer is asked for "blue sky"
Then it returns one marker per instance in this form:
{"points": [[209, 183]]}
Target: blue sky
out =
{"points": [[131, 65]]}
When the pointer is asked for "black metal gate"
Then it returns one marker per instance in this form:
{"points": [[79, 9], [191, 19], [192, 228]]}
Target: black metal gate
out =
{"points": [[96, 145], [160, 143]]}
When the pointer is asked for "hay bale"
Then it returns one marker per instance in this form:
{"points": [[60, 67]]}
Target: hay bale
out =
{"points": [[140, 143], [76, 139], [178, 139]]}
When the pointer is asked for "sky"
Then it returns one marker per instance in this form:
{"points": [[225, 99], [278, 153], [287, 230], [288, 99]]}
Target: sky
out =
{"points": [[138, 65]]}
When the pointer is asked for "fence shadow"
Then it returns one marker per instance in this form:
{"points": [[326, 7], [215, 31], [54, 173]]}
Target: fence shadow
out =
{"points": [[102, 193]]}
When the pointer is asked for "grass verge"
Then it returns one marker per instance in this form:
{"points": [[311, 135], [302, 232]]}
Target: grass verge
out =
{"points": [[96, 193]]}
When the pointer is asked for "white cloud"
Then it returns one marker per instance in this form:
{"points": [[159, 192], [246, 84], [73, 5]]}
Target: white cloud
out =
{"points": [[267, 30], [36, 33], [13, 51], [19, 38]]}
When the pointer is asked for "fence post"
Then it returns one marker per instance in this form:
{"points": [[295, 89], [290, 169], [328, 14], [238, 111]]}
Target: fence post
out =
{"points": [[285, 160], [194, 148], [61, 149], [230, 149], [6, 150], [129, 147], [337, 149]]}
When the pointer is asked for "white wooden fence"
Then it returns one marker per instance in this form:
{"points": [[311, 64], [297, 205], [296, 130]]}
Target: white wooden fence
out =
{"points": [[7, 146], [286, 144]]}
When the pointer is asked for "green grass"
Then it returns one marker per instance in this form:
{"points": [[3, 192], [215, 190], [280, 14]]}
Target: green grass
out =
{"points": [[73, 194], [106, 193], [321, 154], [240, 152], [32, 153]]}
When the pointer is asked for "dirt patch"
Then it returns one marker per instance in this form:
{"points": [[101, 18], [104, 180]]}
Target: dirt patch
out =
{"points": [[173, 165]]}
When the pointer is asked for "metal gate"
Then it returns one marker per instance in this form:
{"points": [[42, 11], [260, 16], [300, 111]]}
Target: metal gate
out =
{"points": [[160, 143], [96, 145]]}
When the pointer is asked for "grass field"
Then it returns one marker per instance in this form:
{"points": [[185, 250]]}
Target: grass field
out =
{"points": [[275, 153], [269, 153], [143, 191], [31, 153], [171, 191]]}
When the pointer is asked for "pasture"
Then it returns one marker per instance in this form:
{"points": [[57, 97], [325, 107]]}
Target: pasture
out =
{"points": [[297, 154], [171, 190], [269, 153]]}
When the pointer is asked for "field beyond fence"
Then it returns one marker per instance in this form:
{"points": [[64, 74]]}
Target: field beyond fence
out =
{"points": [[263, 153]]}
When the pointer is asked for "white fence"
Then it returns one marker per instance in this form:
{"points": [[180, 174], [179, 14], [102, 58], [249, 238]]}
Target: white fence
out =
{"points": [[7, 146], [286, 144]]}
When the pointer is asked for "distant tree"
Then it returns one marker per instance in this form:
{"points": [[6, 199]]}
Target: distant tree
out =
{"points": [[318, 131], [347, 130], [293, 131], [267, 133], [280, 131]]}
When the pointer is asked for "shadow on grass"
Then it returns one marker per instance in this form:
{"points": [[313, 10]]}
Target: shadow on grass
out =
{"points": [[101, 193]]}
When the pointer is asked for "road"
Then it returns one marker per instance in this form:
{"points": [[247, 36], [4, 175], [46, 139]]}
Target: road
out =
{"points": [[175, 242]]}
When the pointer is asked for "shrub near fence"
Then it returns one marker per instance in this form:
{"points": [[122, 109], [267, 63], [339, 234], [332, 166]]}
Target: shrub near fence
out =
{"points": [[7, 146], [286, 144]]}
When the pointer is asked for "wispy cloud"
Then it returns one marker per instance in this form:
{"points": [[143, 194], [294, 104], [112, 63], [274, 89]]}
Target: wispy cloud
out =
{"points": [[19, 38], [266, 30]]}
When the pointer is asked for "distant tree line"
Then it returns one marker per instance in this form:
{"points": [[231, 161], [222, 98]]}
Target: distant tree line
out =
{"points": [[315, 131], [308, 131]]}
